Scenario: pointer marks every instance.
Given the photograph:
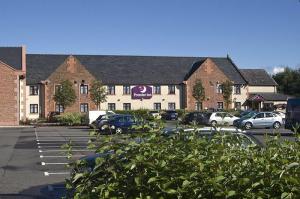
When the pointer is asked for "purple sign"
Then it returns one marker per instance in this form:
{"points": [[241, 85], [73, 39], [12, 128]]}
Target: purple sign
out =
{"points": [[141, 92]]}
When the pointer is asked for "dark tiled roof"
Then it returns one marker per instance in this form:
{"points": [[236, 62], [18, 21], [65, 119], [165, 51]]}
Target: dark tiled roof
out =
{"points": [[12, 56], [258, 77], [225, 65], [138, 69], [230, 70], [111, 69], [40, 67], [271, 96]]}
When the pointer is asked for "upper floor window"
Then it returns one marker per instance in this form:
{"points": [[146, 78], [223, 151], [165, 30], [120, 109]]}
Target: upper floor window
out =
{"points": [[156, 89], [237, 89], [33, 90], [84, 107], [84, 89], [126, 90], [171, 89], [219, 88], [111, 90], [57, 87], [34, 108]]}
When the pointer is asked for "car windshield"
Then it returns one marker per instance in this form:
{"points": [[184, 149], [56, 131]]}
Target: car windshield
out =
{"points": [[249, 115]]}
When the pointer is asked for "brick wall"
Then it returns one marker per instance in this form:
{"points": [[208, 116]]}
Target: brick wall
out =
{"points": [[71, 69], [210, 75], [9, 102]]}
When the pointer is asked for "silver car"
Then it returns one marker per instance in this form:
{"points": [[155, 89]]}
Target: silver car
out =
{"points": [[259, 120]]}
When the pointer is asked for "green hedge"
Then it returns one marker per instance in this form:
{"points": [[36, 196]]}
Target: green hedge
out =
{"points": [[189, 167], [72, 119]]}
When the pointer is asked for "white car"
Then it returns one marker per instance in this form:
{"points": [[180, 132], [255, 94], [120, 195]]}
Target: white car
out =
{"points": [[222, 118], [281, 114], [155, 114]]}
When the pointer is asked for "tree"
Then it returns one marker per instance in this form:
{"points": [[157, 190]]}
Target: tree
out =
{"points": [[98, 93], [227, 92], [198, 91], [65, 95], [288, 81]]}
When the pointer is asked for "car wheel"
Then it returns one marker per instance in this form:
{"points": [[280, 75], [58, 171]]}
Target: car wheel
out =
{"points": [[248, 125], [119, 130], [213, 123], [276, 125]]}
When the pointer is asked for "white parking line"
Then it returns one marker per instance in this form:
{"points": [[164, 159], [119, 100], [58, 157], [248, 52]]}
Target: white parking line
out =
{"points": [[59, 146], [38, 141], [56, 173], [59, 156], [53, 163], [36, 136], [62, 150]]}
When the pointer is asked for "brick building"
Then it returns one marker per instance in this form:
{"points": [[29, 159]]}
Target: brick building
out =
{"points": [[166, 81]]}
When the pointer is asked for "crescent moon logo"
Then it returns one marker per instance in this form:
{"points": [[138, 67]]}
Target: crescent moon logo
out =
{"points": [[143, 89]]}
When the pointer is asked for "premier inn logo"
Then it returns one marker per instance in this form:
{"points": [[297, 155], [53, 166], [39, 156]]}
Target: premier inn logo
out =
{"points": [[141, 92]]}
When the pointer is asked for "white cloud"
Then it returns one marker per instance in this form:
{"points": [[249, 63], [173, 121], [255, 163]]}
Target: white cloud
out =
{"points": [[277, 69]]}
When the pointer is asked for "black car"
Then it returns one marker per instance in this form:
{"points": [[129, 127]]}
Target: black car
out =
{"points": [[170, 115], [292, 118], [52, 116], [196, 117]]}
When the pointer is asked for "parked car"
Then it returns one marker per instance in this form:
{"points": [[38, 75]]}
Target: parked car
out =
{"points": [[281, 114], [242, 137], [102, 119], [259, 120], [243, 113], [51, 116], [196, 118], [293, 114], [119, 123], [170, 115], [155, 114], [221, 118]]}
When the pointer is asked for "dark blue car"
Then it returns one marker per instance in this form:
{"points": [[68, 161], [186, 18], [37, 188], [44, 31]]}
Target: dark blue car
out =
{"points": [[170, 115], [120, 123]]}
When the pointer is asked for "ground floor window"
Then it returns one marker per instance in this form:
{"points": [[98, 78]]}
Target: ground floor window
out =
{"points": [[34, 108], [237, 105], [111, 106], [126, 106], [198, 106], [59, 108], [268, 106], [220, 105], [171, 106], [157, 106], [84, 107]]}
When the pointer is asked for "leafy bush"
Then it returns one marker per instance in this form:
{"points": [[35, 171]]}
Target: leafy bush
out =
{"points": [[191, 168], [142, 113], [71, 119]]}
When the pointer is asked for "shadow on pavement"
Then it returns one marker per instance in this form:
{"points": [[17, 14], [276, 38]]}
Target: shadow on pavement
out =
{"points": [[54, 191]]}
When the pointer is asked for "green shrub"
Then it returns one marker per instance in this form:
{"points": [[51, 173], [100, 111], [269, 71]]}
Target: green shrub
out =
{"points": [[189, 167], [142, 113], [70, 119]]}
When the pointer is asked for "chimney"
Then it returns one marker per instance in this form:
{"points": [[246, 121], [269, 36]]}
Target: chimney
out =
{"points": [[23, 58]]}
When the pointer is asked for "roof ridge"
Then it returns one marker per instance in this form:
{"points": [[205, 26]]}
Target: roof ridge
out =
{"points": [[121, 55]]}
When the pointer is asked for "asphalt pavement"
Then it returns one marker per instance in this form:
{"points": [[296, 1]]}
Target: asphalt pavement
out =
{"points": [[33, 164]]}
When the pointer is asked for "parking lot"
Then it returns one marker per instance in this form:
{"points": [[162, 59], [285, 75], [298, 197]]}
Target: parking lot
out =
{"points": [[33, 164]]}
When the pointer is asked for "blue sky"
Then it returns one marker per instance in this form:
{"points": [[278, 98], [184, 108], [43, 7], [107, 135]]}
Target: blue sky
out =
{"points": [[255, 33]]}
